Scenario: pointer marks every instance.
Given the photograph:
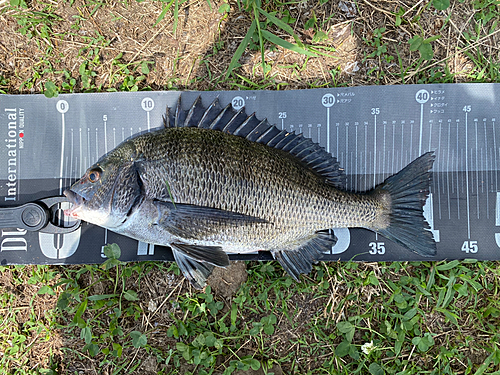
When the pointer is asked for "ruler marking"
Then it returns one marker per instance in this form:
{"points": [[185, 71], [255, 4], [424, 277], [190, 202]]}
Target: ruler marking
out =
{"points": [[458, 189], [495, 150], [328, 130], [96, 144], [88, 144], [337, 141], [61, 169], [492, 171], [448, 171], [411, 142], [441, 167], [347, 149], [356, 165], [402, 143], [383, 154], [375, 151], [482, 172], [81, 154], [497, 210], [66, 164], [467, 176], [393, 145], [106, 136], [430, 135], [366, 157], [477, 171], [421, 129], [71, 172], [352, 168], [487, 169]]}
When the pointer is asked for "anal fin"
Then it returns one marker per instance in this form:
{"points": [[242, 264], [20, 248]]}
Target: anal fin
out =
{"points": [[300, 260]]}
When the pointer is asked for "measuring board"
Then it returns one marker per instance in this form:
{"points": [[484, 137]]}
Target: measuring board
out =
{"points": [[373, 131]]}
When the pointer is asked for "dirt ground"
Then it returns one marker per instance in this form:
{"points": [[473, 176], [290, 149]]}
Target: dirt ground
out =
{"points": [[199, 51], [90, 46]]}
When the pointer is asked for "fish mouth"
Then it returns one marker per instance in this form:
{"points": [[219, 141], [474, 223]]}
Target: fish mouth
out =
{"points": [[76, 201]]}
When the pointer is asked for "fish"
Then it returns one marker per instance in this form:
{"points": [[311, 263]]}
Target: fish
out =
{"points": [[214, 181]]}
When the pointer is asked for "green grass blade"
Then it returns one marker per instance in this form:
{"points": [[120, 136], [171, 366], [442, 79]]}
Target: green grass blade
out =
{"points": [[282, 25], [261, 41], [283, 43], [163, 12], [241, 48], [176, 14]]}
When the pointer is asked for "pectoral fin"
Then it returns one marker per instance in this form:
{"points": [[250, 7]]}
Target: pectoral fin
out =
{"points": [[191, 221]]}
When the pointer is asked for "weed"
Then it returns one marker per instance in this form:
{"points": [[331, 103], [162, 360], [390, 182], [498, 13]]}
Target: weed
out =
{"points": [[128, 75], [423, 46], [380, 47], [396, 318], [258, 32], [36, 24], [3, 84]]}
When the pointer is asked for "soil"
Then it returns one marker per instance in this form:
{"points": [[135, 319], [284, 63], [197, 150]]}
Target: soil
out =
{"points": [[104, 45]]}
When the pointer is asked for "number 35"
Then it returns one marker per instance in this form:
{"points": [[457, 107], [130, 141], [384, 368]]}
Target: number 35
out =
{"points": [[377, 248]]}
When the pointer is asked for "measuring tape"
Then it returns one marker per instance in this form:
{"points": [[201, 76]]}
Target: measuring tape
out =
{"points": [[373, 131]]}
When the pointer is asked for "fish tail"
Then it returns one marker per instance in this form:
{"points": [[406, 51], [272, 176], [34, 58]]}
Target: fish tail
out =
{"points": [[408, 191]]}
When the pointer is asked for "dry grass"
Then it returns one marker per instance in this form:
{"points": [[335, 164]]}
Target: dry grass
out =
{"points": [[89, 46]]}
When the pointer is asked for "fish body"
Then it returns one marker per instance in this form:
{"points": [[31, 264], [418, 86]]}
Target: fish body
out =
{"points": [[214, 181]]}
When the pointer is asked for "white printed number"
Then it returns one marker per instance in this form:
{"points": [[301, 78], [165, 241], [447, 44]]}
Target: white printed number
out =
{"points": [[238, 102], [328, 100], [375, 111], [470, 247], [377, 248]]}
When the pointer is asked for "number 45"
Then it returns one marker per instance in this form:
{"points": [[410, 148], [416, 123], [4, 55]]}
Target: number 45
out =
{"points": [[470, 247]]}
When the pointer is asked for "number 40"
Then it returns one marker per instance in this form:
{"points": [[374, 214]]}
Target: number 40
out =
{"points": [[470, 247]]}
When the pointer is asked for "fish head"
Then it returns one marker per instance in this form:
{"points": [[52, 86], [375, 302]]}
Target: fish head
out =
{"points": [[107, 192]]}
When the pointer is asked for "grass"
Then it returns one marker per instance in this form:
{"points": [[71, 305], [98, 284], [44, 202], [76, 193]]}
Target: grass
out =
{"points": [[344, 318]]}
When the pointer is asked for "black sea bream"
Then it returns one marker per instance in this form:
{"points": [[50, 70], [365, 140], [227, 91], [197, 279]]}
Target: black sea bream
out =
{"points": [[214, 181]]}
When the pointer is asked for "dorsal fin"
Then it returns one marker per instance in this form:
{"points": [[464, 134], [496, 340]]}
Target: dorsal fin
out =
{"points": [[238, 123]]}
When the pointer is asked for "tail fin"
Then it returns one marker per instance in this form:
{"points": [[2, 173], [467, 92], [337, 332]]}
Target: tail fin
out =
{"points": [[408, 191]]}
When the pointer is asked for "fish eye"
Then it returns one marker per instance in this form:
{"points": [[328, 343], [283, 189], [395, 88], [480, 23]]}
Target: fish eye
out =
{"points": [[94, 175]]}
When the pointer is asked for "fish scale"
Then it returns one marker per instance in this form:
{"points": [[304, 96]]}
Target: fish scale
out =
{"points": [[244, 187], [188, 183]]}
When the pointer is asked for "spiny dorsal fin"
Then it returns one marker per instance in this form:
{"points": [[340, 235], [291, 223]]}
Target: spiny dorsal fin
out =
{"points": [[238, 123]]}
